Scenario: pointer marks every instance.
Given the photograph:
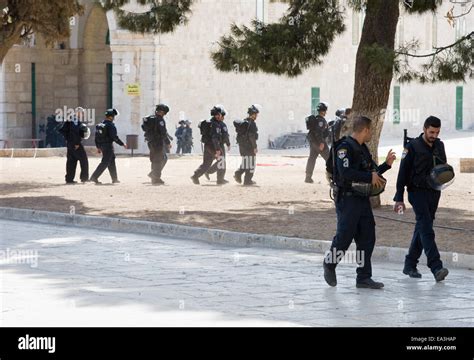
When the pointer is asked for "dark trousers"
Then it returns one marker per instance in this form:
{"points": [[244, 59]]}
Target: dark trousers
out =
{"points": [[219, 166], [179, 147], [425, 204], [209, 155], [158, 159], [249, 162], [355, 220], [73, 156], [314, 152], [108, 162]]}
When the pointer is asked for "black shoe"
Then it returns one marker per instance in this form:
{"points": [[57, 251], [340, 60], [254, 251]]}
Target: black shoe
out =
{"points": [[222, 182], [97, 182], [250, 183], [206, 175], [238, 178], [195, 180], [413, 273], [71, 182], [329, 275], [309, 180], [158, 182], [369, 284], [85, 181], [441, 274], [115, 182]]}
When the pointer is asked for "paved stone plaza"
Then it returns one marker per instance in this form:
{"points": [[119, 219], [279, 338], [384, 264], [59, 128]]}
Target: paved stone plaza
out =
{"points": [[58, 276]]}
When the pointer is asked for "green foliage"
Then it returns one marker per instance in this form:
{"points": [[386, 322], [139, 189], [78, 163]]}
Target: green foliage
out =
{"points": [[162, 17], [299, 40], [49, 18], [453, 63]]}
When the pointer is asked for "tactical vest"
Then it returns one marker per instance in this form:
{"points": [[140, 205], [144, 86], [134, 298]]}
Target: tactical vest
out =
{"points": [[360, 162], [424, 162]]}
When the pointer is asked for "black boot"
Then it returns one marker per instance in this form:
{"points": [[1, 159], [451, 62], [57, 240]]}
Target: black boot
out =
{"points": [[369, 284], [412, 272], [441, 274], [329, 275]]}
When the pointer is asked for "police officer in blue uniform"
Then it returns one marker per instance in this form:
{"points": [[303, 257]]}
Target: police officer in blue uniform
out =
{"points": [[106, 135], [248, 147], [214, 140], [156, 135], [74, 131], [179, 137], [419, 157], [219, 166], [318, 132], [355, 170]]}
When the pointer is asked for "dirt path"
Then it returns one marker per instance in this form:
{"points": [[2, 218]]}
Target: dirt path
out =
{"points": [[281, 204]]}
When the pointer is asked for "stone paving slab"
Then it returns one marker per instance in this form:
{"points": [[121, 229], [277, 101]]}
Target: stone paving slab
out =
{"points": [[86, 277]]}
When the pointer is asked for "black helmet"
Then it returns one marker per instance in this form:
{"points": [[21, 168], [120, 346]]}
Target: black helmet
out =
{"points": [[340, 112], [162, 107], [253, 110], [322, 107], [218, 109], [112, 112], [85, 131], [366, 189], [441, 176]]}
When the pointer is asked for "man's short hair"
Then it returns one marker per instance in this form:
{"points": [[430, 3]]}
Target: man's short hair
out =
{"points": [[361, 123], [432, 121]]}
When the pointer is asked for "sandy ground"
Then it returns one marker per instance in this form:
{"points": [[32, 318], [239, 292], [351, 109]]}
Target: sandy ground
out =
{"points": [[281, 204]]}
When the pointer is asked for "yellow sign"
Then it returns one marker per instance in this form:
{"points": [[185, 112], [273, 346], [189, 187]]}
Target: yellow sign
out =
{"points": [[133, 89]]}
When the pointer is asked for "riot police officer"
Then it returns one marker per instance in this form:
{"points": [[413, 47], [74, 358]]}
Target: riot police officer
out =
{"points": [[74, 131], [187, 137], [105, 136], [247, 136], [179, 138], [318, 132], [357, 177], [219, 166], [419, 158], [158, 141], [213, 138]]}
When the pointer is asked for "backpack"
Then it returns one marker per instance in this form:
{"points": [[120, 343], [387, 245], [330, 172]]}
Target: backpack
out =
{"points": [[241, 128], [331, 169], [148, 126], [205, 128], [310, 120], [101, 135]]}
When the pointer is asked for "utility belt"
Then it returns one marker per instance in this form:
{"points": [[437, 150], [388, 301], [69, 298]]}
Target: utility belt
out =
{"points": [[363, 190]]}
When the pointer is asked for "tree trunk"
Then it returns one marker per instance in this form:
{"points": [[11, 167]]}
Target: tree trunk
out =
{"points": [[372, 84], [8, 38]]}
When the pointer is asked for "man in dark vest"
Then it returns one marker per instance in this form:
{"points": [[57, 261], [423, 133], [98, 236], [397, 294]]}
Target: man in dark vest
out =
{"points": [[418, 159]]}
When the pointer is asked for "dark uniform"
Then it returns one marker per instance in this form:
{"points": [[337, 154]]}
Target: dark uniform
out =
{"points": [[158, 142], [106, 146], [187, 137], [179, 138], [212, 144], [219, 166], [73, 134], [418, 160], [318, 132], [247, 148], [355, 219]]}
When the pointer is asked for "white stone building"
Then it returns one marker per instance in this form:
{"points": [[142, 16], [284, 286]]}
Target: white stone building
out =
{"points": [[103, 66]]}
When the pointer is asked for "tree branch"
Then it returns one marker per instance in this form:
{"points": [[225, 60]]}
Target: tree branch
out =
{"points": [[438, 49]]}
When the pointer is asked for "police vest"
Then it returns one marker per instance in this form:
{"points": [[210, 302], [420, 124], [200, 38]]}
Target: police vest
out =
{"points": [[360, 162], [424, 162]]}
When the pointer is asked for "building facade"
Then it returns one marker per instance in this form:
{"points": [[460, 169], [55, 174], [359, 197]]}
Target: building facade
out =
{"points": [[102, 66]]}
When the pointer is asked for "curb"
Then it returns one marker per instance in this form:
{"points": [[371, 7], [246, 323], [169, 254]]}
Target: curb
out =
{"points": [[214, 236]]}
